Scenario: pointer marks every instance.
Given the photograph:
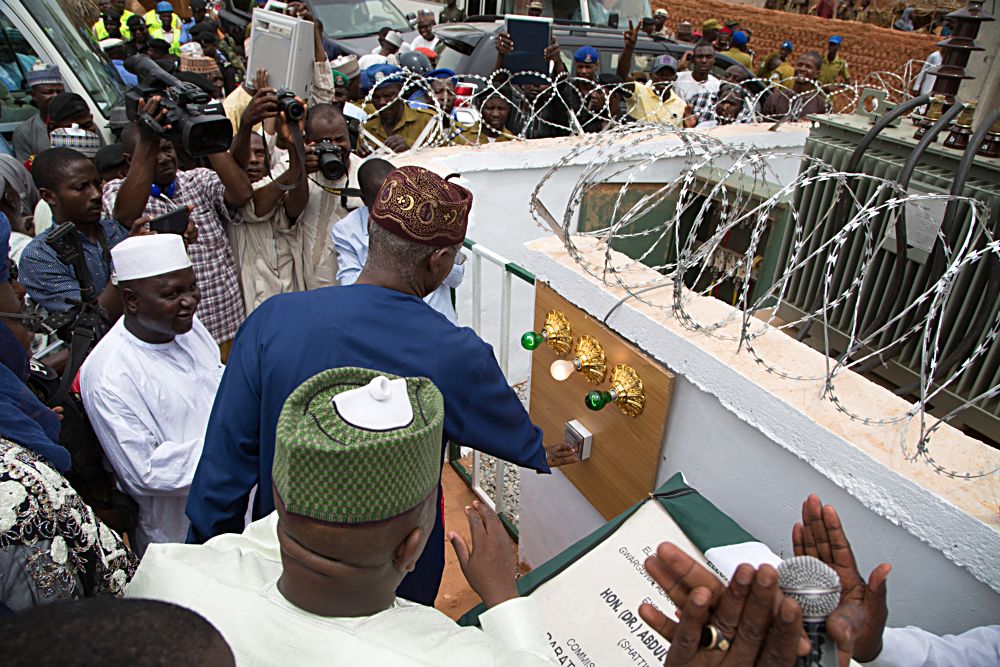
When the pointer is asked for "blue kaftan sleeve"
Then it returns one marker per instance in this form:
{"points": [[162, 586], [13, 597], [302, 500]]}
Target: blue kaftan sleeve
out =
{"points": [[229, 465], [493, 419]]}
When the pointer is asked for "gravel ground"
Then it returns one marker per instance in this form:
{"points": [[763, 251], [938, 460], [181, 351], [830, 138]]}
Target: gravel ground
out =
{"points": [[512, 474]]}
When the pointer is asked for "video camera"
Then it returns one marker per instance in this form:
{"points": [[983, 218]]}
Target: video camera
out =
{"points": [[197, 122]]}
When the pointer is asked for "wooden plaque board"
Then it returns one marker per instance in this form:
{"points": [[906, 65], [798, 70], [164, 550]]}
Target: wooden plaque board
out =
{"points": [[626, 450]]}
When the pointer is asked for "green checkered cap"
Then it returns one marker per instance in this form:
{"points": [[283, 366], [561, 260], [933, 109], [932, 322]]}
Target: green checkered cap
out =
{"points": [[332, 471]]}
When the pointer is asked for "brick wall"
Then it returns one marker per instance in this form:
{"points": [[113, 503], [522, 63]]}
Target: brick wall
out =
{"points": [[866, 48]]}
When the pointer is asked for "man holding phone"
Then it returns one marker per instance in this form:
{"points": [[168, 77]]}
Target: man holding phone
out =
{"points": [[154, 186]]}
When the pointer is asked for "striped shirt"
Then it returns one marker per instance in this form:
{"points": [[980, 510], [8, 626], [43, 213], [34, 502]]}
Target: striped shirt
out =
{"points": [[221, 308], [54, 285]]}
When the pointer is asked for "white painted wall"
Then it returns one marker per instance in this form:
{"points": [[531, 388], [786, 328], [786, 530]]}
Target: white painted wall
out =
{"points": [[747, 476], [758, 470], [757, 456], [751, 478]]}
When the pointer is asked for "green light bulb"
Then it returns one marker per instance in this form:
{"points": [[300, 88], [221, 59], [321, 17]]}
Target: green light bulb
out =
{"points": [[530, 340], [595, 400]]}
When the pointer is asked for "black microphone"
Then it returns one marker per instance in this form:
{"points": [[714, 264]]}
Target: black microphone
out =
{"points": [[146, 69], [816, 587]]}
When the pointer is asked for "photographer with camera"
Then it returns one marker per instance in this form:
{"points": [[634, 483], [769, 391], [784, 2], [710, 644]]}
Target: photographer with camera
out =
{"points": [[71, 186], [329, 170], [267, 242], [155, 187], [322, 90]]}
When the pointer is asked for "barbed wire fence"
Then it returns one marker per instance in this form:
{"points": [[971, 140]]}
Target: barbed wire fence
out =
{"points": [[734, 198], [741, 196], [566, 105]]}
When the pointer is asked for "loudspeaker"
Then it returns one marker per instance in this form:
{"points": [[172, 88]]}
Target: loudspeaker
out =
{"points": [[284, 46]]}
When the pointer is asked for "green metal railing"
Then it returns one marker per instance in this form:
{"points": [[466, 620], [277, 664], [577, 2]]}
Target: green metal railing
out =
{"points": [[510, 269]]}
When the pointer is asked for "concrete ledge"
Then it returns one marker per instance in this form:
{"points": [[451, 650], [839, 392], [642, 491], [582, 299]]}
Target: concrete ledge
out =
{"points": [[956, 517], [546, 153]]}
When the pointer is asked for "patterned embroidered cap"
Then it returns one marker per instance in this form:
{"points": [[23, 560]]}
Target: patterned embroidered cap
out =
{"points": [[198, 64], [347, 65], [73, 137], [331, 464], [43, 75], [419, 205]]}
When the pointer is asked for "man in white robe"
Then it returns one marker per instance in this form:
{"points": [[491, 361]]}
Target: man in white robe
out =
{"points": [[356, 466], [149, 384]]}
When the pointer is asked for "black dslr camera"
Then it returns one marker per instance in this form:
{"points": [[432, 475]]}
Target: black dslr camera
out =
{"points": [[197, 122], [85, 319], [331, 163], [289, 106]]}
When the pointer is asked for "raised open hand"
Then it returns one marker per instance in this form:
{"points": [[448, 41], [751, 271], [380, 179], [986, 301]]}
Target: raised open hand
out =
{"points": [[822, 536], [488, 563]]}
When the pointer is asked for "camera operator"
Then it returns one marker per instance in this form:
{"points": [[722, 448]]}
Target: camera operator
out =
{"points": [[71, 186], [267, 242], [154, 186], [329, 168]]}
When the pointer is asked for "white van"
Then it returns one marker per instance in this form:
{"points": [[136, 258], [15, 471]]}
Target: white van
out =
{"points": [[42, 29]]}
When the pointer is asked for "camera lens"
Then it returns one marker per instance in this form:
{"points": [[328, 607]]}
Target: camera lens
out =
{"points": [[290, 107], [205, 135], [293, 110]]}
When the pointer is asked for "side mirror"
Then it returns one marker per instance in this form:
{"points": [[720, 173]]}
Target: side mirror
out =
{"points": [[613, 20], [411, 18]]}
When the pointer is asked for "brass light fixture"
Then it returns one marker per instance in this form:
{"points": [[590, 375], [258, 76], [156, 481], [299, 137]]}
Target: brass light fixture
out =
{"points": [[588, 358], [556, 332], [626, 391]]}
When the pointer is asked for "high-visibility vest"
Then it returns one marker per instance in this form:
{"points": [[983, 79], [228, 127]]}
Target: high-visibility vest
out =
{"points": [[100, 32], [156, 30]]}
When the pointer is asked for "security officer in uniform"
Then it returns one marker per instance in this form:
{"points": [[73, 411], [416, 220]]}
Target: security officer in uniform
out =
{"points": [[833, 68], [391, 121], [110, 11]]}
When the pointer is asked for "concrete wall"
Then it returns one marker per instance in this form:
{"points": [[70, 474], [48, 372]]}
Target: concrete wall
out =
{"points": [[757, 469], [756, 446], [749, 477]]}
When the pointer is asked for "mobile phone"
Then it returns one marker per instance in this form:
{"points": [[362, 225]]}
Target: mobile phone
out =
{"points": [[173, 222]]}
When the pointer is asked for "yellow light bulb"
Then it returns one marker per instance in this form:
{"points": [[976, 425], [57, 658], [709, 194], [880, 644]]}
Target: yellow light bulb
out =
{"points": [[561, 369]]}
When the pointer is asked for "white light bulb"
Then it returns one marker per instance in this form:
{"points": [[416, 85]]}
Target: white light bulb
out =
{"points": [[561, 369]]}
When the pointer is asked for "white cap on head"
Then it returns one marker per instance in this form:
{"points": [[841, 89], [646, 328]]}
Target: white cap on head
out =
{"points": [[394, 38], [150, 255]]}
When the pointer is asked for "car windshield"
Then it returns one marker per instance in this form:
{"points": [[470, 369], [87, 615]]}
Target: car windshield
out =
{"points": [[355, 18], [77, 47], [601, 10]]}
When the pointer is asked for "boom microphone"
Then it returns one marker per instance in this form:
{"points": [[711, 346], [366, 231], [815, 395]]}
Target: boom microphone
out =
{"points": [[816, 587]]}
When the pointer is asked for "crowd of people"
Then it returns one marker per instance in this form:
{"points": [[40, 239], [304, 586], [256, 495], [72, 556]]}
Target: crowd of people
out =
{"points": [[266, 332]]}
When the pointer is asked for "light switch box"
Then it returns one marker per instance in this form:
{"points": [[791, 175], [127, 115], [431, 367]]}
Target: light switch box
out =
{"points": [[577, 435]]}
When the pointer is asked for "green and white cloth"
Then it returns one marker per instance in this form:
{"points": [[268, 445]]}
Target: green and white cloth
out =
{"points": [[589, 595]]}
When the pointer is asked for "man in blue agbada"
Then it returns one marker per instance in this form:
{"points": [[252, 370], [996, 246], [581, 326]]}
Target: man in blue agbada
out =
{"points": [[416, 228]]}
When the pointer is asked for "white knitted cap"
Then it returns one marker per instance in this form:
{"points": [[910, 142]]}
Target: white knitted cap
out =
{"points": [[150, 255]]}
